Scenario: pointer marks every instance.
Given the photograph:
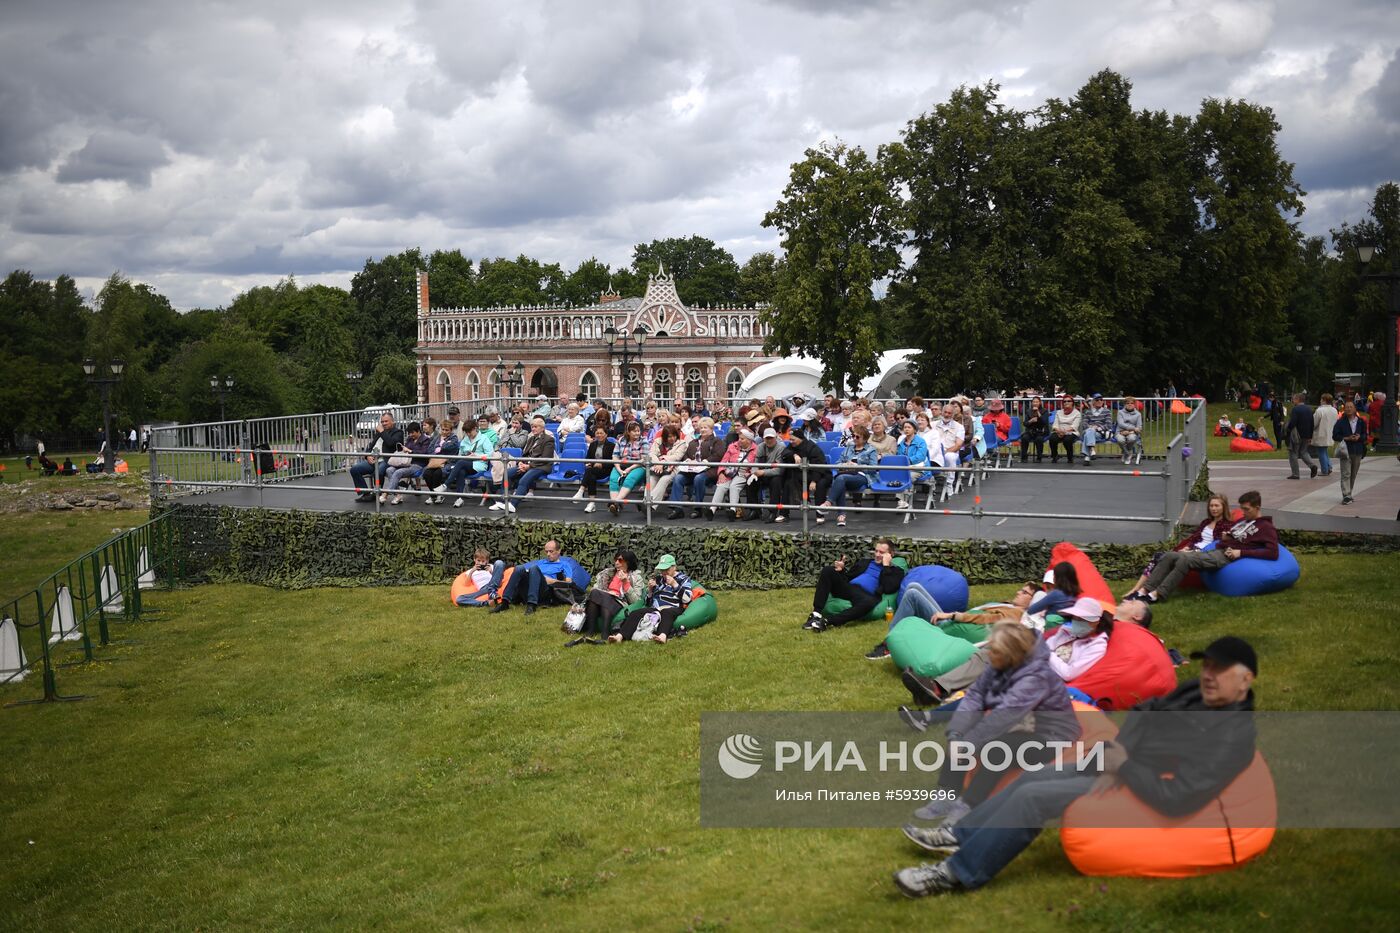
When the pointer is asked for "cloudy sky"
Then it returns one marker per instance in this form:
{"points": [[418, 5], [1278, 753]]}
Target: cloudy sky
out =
{"points": [[205, 147]]}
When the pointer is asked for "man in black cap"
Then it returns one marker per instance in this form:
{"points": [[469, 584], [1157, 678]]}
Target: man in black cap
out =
{"points": [[1175, 764]]}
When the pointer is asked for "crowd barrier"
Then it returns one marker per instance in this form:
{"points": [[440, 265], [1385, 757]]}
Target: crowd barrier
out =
{"points": [[68, 618]]}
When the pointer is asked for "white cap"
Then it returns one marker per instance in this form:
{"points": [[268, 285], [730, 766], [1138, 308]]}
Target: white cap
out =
{"points": [[770, 433]]}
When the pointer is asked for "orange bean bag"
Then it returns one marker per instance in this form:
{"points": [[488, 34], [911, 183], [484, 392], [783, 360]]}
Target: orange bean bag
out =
{"points": [[1180, 408], [463, 585], [1135, 668], [1094, 727], [1117, 835], [1243, 445], [1090, 580]]}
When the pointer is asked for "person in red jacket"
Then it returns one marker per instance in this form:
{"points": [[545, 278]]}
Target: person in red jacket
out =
{"points": [[1373, 415], [1252, 535], [996, 415]]}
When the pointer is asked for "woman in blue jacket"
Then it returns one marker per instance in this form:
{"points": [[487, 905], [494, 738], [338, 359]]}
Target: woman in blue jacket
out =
{"points": [[854, 472], [915, 448]]}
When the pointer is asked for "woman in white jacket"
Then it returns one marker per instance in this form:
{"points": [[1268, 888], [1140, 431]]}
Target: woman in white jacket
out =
{"points": [[1324, 420]]}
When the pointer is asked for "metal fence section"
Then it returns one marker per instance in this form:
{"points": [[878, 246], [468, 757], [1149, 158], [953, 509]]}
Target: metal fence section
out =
{"points": [[68, 618]]}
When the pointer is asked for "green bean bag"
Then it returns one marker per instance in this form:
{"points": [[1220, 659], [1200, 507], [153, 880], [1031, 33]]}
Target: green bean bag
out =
{"points": [[967, 631], [930, 651], [835, 605], [702, 609]]}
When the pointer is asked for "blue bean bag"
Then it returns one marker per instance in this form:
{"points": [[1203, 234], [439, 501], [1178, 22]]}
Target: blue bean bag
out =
{"points": [[577, 573], [944, 584], [1251, 576]]}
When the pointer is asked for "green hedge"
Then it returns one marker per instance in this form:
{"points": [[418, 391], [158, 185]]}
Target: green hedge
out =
{"points": [[294, 550]]}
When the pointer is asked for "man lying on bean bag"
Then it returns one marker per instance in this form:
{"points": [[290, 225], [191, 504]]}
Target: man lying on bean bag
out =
{"points": [[1253, 535], [1175, 764]]}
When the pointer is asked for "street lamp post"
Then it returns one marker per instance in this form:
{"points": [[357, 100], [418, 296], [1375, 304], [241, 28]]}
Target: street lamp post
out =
{"points": [[104, 384], [620, 345], [512, 378], [221, 389], [1308, 355], [1389, 442]]}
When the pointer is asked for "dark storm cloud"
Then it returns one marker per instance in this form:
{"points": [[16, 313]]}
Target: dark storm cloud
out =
{"points": [[208, 146]]}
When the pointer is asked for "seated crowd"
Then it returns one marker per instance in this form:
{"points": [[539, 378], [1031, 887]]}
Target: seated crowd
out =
{"points": [[749, 464]]}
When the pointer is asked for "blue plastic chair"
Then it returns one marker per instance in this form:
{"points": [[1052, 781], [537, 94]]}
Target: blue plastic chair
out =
{"points": [[892, 477], [833, 436]]}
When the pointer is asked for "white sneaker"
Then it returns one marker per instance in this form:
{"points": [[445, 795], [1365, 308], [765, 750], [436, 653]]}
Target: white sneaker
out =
{"points": [[498, 506], [510, 508], [440, 489], [578, 495], [459, 503], [383, 498], [591, 506], [397, 500]]}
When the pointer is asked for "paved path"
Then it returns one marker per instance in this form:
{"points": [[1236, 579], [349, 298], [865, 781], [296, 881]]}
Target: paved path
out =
{"points": [[1316, 504]]}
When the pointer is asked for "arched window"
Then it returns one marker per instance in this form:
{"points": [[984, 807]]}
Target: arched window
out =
{"points": [[733, 383], [493, 383], [474, 385], [632, 387], [724, 327], [694, 386], [661, 387], [588, 384], [444, 382]]}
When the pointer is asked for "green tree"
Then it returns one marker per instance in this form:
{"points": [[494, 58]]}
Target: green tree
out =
{"points": [[394, 380], [385, 293], [1359, 310], [135, 323], [838, 219], [42, 333], [758, 278], [519, 281], [451, 280], [705, 273], [587, 282]]}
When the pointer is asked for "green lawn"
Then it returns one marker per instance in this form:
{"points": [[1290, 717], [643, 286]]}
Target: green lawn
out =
{"points": [[379, 758], [35, 544]]}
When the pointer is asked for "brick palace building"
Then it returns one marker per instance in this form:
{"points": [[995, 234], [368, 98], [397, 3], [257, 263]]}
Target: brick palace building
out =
{"points": [[689, 352]]}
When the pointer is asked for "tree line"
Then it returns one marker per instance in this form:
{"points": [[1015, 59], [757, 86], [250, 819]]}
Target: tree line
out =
{"points": [[289, 347], [1082, 243]]}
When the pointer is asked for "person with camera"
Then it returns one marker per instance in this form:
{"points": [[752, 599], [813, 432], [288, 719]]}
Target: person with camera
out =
{"points": [[668, 595], [861, 583]]}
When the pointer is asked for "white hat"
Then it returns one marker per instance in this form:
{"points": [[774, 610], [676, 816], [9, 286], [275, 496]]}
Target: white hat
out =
{"points": [[1085, 607], [745, 432], [770, 433]]}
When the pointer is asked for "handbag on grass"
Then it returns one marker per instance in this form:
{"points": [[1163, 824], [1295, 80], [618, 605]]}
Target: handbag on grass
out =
{"points": [[647, 627], [573, 619]]}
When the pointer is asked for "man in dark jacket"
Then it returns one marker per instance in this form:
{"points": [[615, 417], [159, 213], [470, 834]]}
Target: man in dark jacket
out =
{"points": [[861, 583], [1176, 759], [1253, 535], [537, 459], [1276, 419], [1298, 432], [1350, 431], [805, 450], [385, 442]]}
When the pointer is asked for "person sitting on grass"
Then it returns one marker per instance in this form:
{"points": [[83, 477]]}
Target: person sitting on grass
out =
{"points": [[68, 469], [919, 603], [1064, 590], [543, 582], [1202, 755], [1253, 535], [486, 574], [614, 589], [861, 583], [1018, 682], [629, 470], [668, 595], [855, 470], [1216, 522], [1081, 641]]}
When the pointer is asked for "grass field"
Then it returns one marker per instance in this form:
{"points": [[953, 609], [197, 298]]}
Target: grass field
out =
{"points": [[35, 544], [332, 758]]}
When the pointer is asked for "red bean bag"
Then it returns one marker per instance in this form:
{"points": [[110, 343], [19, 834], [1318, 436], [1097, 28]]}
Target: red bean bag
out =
{"points": [[463, 585], [1243, 445], [1117, 835], [1090, 580], [1136, 668]]}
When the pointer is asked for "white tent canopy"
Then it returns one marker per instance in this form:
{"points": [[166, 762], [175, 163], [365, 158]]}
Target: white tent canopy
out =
{"points": [[786, 377]]}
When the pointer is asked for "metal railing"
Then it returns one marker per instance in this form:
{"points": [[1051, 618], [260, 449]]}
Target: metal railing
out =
{"points": [[68, 618]]}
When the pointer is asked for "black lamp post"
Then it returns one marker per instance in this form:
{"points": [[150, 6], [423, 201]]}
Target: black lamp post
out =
{"points": [[1308, 355], [620, 345], [104, 384], [1388, 440], [512, 378], [354, 376], [221, 389]]}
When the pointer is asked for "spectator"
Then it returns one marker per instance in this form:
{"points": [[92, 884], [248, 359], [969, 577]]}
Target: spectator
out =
{"points": [[1350, 429], [925, 424], [997, 417], [629, 468], [1209, 531], [1064, 590], [1298, 431], [517, 432], [1203, 755], [477, 447], [536, 460], [768, 476], [949, 439], [445, 445], [386, 440], [1019, 682], [854, 472], [782, 423], [496, 426], [917, 602], [807, 451], [572, 422], [880, 438], [734, 475], [485, 573], [1097, 426], [416, 444], [542, 582], [670, 593], [861, 583], [586, 409], [614, 589], [542, 409], [1035, 429], [666, 451], [693, 476], [1129, 429], [598, 463], [68, 469], [1324, 420], [1065, 430], [1252, 535], [977, 410], [1081, 641]]}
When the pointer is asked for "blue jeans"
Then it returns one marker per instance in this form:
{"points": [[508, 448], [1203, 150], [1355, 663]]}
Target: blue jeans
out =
{"points": [[483, 596], [522, 481], [361, 469], [695, 486], [1002, 827], [844, 483], [1324, 459], [1091, 440], [916, 601]]}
